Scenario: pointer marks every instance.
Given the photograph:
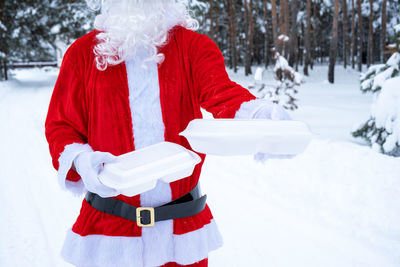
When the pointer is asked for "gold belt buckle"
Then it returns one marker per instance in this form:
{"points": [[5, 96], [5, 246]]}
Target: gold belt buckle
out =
{"points": [[138, 216]]}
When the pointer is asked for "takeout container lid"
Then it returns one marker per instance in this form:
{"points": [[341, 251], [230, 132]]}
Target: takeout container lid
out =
{"points": [[244, 137], [138, 171]]}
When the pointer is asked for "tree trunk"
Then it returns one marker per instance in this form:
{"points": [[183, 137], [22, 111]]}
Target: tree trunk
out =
{"points": [[370, 35], [211, 13], [383, 40], [232, 35], [333, 47], [229, 33], [353, 34], [266, 34], [274, 23], [345, 34], [3, 46], [307, 38], [286, 25], [5, 69], [314, 35], [293, 35], [283, 26], [248, 4], [360, 35]]}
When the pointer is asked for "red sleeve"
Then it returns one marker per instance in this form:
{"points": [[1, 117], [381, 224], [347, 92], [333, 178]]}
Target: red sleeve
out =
{"points": [[217, 93], [66, 121]]}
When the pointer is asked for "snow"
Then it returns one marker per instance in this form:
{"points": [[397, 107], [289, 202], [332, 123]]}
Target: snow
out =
{"points": [[55, 29], [394, 60], [376, 75], [282, 63], [386, 111], [337, 204], [397, 28], [283, 38], [258, 75], [381, 78], [3, 27]]}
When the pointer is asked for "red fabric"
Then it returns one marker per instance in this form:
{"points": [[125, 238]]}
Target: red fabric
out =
{"points": [[203, 263], [92, 106]]}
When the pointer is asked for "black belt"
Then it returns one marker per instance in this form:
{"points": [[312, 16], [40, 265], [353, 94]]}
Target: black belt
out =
{"points": [[188, 205]]}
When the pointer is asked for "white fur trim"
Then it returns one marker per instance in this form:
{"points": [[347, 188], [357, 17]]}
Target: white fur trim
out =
{"points": [[65, 161], [148, 129], [144, 100], [100, 250], [248, 109], [195, 246]]}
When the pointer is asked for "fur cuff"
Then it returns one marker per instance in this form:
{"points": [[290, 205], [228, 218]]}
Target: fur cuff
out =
{"points": [[248, 109], [65, 160], [120, 251]]}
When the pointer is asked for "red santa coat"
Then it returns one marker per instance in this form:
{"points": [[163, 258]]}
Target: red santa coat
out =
{"points": [[92, 106]]}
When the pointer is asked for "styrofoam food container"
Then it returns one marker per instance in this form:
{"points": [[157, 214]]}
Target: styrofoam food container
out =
{"points": [[244, 137], [138, 171]]}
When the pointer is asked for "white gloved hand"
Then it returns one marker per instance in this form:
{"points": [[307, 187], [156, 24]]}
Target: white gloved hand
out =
{"points": [[271, 111], [274, 112], [89, 165]]}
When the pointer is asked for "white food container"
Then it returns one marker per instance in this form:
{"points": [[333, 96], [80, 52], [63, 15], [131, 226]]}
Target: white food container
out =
{"points": [[138, 171], [244, 137]]}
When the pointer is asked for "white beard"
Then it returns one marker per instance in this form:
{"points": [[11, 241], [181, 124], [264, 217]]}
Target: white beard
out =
{"points": [[127, 26]]}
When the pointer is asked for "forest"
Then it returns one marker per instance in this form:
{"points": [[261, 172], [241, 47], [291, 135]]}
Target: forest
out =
{"points": [[348, 32]]}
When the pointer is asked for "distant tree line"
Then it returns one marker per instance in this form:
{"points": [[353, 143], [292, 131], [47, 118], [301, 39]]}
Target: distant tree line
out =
{"points": [[353, 32]]}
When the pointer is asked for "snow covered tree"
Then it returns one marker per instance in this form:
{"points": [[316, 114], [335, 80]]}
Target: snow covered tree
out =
{"points": [[382, 130], [29, 30], [372, 80], [287, 82]]}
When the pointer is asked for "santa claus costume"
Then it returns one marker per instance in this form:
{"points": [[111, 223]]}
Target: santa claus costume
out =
{"points": [[137, 80]]}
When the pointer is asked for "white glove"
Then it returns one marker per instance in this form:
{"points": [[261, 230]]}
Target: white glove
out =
{"points": [[271, 111], [89, 165], [274, 112]]}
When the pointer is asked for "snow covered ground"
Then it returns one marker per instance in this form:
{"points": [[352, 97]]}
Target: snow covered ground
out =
{"points": [[337, 204]]}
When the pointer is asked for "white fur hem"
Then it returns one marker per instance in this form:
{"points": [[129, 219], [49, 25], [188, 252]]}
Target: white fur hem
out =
{"points": [[248, 109], [65, 162], [102, 251]]}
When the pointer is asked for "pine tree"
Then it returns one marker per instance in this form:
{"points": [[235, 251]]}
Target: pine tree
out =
{"points": [[383, 134], [287, 82], [30, 29]]}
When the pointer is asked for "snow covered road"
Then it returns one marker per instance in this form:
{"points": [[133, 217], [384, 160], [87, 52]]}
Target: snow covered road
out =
{"points": [[337, 204]]}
